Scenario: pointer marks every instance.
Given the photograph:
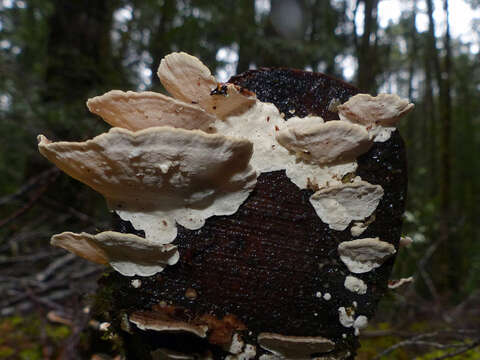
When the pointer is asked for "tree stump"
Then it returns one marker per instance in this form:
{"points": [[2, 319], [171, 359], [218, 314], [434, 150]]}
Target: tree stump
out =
{"points": [[272, 268]]}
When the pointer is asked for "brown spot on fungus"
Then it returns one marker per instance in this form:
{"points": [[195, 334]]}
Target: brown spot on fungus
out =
{"points": [[221, 331]]}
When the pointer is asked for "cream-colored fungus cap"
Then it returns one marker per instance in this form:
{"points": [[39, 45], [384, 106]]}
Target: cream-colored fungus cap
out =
{"points": [[355, 285], [160, 176], [136, 111], [383, 110], [325, 143], [363, 255], [146, 321], [127, 253], [379, 114], [396, 284], [186, 78], [338, 205], [294, 347]]}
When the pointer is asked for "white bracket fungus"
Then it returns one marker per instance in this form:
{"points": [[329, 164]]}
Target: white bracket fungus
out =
{"points": [[358, 228], [355, 285], [188, 79], [338, 205], [363, 255], [405, 241], [294, 347], [127, 253], [137, 111], [346, 316], [248, 353], [136, 283], [241, 115], [395, 284], [146, 322], [236, 345], [361, 322], [159, 176], [161, 168], [325, 143], [378, 114], [384, 109], [167, 354], [260, 125]]}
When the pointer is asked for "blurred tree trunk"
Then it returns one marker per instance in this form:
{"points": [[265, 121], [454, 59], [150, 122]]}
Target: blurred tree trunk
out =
{"points": [[246, 34], [412, 131], [447, 259], [366, 48], [449, 249], [79, 49], [160, 44]]}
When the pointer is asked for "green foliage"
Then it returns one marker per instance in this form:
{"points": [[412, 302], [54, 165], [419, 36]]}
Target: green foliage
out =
{"points": [[23, 337], [6, 352]]}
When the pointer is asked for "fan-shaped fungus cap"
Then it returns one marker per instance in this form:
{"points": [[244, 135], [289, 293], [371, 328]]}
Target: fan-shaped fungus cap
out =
{"points": [[167, 354], [325, 143], [294, 347], [159, 176], [338, 205], [150, 321], [346, 316], [127, 253], [186, 78], [362, 255], [383, 110], [137, 111], [395, 284], [405, 241], [355, 285]]}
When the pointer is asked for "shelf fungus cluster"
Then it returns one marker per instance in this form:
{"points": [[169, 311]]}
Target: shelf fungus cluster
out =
{"points": [[227, 180]]}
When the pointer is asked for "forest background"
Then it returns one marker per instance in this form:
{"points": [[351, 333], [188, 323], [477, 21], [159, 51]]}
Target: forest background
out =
{"points": [[55, 54]]}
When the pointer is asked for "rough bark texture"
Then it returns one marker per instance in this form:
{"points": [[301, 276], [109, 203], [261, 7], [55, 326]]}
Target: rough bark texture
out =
{"points": [[263, 266]]}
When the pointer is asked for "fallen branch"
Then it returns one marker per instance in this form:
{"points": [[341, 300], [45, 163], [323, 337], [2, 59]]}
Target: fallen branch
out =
{"points": [[53, 176], [472, 346], [419, 341]]}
